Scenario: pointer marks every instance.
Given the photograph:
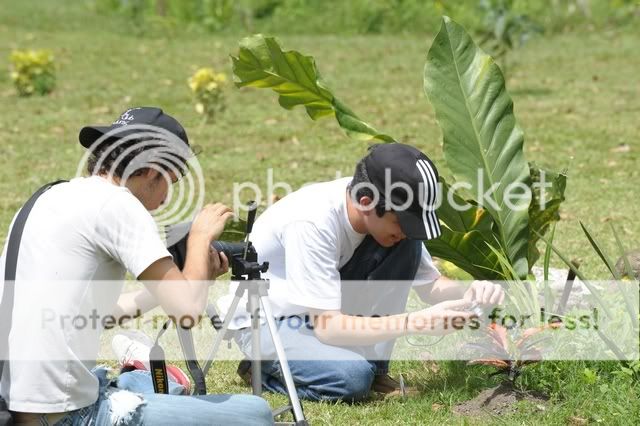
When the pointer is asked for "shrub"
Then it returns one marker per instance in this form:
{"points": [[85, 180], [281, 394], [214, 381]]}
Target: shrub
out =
{"points": [[32, 71], [206, 86]]}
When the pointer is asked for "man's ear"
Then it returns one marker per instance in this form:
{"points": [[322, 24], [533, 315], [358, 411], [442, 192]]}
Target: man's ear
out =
{"points": [[151, 173], [366, 206]]}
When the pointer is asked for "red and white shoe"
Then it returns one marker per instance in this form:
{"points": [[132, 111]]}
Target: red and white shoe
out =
{"points": [[132, 348], [176, 374]]}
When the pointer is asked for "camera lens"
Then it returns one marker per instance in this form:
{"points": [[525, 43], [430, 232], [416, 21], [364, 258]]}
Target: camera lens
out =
{"points": [[230, 249]]}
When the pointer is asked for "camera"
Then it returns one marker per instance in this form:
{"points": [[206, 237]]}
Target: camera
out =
{"points": [[242, 255], [230, 249]]}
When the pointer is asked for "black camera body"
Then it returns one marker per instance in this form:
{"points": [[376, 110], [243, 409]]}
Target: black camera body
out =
{"points": [[242, 256]]}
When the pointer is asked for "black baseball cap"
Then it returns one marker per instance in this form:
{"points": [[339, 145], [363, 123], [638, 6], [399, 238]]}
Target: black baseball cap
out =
{"points": [[412, 187], [149, 116]]}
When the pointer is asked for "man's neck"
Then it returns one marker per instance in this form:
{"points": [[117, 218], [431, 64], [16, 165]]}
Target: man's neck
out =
{"points": [[355, 216], [131, 184], [110, 178]]}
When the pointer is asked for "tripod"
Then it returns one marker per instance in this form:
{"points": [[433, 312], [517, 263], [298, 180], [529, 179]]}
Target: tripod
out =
{"points": [[247, 272]]}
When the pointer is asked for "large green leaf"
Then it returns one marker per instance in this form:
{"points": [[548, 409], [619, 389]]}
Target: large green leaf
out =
{"points": [[469, 251], [459, 214], [466, 236], [483, 146], [262, 63], [545, 206]]}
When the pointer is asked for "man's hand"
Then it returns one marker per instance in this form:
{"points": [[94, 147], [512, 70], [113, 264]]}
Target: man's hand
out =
{"points": [[443, 318], [218, 263], [203, 262], [484, 293], [210, 222]]}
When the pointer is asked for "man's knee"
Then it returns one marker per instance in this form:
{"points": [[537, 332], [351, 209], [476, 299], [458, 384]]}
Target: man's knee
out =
{"points": [[350, 381], [259, 410]]}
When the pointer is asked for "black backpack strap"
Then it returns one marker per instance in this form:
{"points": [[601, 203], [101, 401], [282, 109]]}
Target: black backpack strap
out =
{"points": [[11, 263]]}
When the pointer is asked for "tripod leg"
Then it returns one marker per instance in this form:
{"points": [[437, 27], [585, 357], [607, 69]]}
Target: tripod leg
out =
{"points": [[284, 365], [221, 333], [256, 357]]}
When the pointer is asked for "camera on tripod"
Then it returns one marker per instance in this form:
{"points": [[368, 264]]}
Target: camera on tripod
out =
{"points": [[243, 262], [242, 255], [243, 259]]}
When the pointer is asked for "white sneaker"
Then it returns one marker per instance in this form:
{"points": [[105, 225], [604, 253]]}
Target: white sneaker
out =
{"points": [[132, 348]]}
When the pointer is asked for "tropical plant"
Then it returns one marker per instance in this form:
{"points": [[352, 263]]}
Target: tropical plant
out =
{"points": [[482, 145], [504, 29], [206, 87], [262, 63], [32, 71]]}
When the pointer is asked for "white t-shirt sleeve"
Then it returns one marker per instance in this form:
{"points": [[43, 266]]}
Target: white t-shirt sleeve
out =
{"points": [[128, 234], [427, 271], [312, 275]]}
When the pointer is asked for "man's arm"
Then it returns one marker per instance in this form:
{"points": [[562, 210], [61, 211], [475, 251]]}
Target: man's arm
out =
{"points": [[335, 328], [183, 294], [133, 304], [481, 292], [443, 289]]}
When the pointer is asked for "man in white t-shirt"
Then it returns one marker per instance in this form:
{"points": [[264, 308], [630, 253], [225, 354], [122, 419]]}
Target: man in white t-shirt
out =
{"points": [[343, 256], [79, 240]]}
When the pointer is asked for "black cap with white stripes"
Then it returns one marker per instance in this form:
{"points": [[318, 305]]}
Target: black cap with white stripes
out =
{"points": [[407, 182]]}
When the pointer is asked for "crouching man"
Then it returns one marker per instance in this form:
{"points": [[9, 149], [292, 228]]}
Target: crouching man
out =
{"points": [[343, 258]]}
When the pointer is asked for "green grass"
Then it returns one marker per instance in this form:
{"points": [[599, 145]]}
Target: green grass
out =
{"points": [[576, 96]]}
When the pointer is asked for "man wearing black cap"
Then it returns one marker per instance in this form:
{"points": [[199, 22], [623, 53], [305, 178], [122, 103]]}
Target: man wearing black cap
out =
{"points": [[80, 239], [343, 256]]}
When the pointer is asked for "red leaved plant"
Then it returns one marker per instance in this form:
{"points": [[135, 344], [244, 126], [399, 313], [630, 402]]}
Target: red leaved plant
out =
{"points": [[509, 354]]}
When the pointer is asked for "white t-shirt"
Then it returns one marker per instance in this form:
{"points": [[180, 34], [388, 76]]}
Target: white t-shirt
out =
{"points": [[307, 238], [78, 235]]}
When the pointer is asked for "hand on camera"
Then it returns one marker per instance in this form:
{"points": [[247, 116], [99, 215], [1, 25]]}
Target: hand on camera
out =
{"points": [[484, 293], [209, 223], [443, 318], [218, 263]]}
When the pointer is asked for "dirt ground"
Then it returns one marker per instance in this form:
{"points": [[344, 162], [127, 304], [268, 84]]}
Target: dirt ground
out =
{"points": [[498, 400]]}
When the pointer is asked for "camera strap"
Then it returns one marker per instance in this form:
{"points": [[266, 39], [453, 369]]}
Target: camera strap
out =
{"points": [[8, 292], [158, 363], [185, 336]]}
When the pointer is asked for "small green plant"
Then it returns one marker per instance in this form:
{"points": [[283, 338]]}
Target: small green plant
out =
{"points": [[32, 71], [206, 86], [504, 29]]}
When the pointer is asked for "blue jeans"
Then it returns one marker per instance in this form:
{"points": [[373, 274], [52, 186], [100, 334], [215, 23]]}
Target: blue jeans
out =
{"points": [[159, 409], [343, 373]]}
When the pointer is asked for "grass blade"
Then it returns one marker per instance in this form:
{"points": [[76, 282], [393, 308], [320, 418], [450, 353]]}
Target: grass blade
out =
{"points": [[627, 266], [601, 253], [594, 291], [547, 253]]}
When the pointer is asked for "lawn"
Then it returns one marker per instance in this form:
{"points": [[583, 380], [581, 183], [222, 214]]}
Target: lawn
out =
{"points": [[576, 95]]}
